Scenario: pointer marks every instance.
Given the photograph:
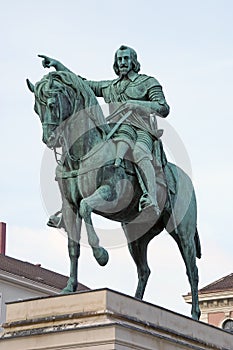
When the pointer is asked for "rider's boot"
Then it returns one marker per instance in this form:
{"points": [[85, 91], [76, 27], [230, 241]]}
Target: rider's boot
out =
{"points": [[122, 148], [149, 177]]}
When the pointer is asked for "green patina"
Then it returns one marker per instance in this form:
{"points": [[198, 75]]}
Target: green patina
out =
{"points": [[116, 167]]}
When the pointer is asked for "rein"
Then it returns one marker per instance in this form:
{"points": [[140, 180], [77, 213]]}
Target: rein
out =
{"points": [[72, 158], [59, 114], [96, 148]]}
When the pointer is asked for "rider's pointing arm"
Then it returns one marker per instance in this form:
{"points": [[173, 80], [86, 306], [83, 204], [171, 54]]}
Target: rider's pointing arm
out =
{"points": [[48, 62]]}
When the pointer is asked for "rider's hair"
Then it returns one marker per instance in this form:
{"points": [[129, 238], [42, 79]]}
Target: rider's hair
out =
{"points": [[133, 54]]}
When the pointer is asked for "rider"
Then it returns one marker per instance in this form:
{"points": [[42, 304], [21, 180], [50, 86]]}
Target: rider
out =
{"points": [[142, 95]]}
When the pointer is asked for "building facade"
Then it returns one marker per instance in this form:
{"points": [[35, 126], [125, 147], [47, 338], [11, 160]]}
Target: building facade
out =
{"points": [[216, 303], [20, 280]]}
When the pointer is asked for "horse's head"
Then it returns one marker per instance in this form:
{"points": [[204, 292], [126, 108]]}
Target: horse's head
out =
{"points": [[55, 100]]}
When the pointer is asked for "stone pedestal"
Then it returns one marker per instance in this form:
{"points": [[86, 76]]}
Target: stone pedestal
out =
{"points": [[104, 320]]}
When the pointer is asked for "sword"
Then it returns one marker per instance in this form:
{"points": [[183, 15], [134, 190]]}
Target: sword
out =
{"points": [[120, 121]]}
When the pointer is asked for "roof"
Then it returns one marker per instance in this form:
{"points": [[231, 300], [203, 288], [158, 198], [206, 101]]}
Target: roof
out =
{"points": [[35, 273], [224, 283]]}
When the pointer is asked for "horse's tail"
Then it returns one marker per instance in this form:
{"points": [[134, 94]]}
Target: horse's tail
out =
{"points": [[198, 244]]}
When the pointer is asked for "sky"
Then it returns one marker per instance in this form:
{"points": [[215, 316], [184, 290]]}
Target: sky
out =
{"points": [[187, 46]]}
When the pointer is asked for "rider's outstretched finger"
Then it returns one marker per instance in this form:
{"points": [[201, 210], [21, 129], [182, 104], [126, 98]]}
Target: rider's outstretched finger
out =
{"points": [[46, 62]]}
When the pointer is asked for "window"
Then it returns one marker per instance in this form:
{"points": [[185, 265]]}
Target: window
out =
{"points": [[0, 305], [228, 325]]}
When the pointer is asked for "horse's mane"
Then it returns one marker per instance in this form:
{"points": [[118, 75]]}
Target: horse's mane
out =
{"points": [[59, 81]]}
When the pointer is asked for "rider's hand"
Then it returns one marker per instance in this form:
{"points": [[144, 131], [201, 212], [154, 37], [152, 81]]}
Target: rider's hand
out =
{"points": [[130, 105], [137, 106], [47, 61]]}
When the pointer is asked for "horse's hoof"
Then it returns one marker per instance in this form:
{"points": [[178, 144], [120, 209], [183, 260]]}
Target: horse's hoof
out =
{"points": [[66, 291], [196, 316], [69, 289], [101, 256], [138, 295]]}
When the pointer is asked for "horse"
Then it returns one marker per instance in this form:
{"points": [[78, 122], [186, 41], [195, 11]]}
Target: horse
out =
{"points": [[72, 120]]}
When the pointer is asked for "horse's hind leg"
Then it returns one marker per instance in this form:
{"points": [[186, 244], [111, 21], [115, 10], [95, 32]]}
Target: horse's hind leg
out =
{"points": [[187, 246], [138, 251]]}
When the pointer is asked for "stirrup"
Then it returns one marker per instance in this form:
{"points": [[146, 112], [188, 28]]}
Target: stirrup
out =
{"points": [[55, 220], [146, 202]]}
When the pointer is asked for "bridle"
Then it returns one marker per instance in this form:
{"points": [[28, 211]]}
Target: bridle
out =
{"points": [[57, 123], [60, 120]]}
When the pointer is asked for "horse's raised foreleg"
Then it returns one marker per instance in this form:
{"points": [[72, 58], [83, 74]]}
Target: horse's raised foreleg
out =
{"points": [[97, 200], [72, 222]]}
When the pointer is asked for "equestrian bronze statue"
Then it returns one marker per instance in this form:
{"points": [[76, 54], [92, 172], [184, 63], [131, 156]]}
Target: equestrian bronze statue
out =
{"points": [[116, 166]]}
